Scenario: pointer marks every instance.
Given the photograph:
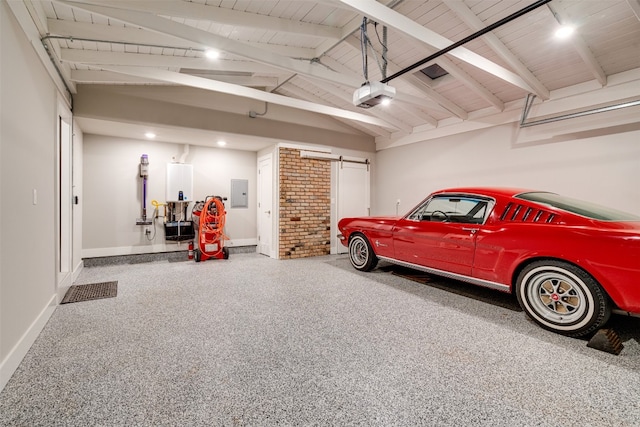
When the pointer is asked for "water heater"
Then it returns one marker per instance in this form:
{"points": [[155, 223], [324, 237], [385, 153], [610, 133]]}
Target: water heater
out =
{"points": [[179, 182]]}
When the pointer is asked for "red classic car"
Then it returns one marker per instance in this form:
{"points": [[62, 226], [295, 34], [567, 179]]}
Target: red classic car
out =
{"points": [[570, 263]]}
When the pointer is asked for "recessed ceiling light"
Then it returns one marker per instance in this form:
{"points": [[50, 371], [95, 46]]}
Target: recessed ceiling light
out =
{"points": [[222, 143], [212, 54], [564, 31], [150, 135]]}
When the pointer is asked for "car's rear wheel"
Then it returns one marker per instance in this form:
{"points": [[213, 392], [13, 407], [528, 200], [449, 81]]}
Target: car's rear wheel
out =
{"points": [[361, 253], [562, 298]]}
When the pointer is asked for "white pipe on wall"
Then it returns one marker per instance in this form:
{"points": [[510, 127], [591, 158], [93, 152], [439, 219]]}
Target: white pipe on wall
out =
{"points": [[185, 153]]}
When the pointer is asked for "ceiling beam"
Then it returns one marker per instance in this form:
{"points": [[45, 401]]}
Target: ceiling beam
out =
{"points": [[175, 29], [635, 6], [348, 29], [202, 12], [387, 16], [203, 38], [136, 36], [87, 30], [471, 19], [94, 57], [470, 83], [110, 77], [207, 84]]}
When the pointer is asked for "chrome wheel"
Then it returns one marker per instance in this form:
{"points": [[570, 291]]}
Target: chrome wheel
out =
{"points": [[557, 296], [562, 298], [361, 254]]}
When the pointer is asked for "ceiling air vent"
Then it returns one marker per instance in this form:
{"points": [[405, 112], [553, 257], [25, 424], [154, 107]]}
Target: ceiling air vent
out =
{"points": [[434, 71]]}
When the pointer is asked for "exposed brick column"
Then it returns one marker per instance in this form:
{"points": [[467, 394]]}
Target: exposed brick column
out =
{"points": [[305, 205]]}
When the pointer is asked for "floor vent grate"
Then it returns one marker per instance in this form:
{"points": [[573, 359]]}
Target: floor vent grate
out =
{"points": [[79, 293]]}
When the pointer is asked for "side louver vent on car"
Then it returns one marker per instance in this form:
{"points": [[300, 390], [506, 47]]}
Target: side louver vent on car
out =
{"points": [[521, 213]]}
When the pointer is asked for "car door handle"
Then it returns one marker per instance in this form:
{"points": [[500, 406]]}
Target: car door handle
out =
{"points": [[471, 230]]}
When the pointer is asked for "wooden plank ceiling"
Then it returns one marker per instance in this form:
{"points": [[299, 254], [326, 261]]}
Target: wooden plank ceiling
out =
{"points": [[308, 54]]}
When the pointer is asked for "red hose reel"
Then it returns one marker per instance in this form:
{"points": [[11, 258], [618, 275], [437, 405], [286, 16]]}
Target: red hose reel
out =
{"points": [[209, 216]]}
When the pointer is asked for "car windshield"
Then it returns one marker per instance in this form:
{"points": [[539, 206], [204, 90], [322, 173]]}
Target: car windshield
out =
{"points": [[453, 208], [590, 210]]}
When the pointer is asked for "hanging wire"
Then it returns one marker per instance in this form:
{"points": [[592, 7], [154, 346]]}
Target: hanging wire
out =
{"points": [[384, 52], [365, 44], [363, 49], [380, 64], [383, 43]]}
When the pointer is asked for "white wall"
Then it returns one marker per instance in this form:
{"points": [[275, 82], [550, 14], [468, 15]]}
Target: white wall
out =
{"points": [[112, 192], [27, 230], [594, 166]]}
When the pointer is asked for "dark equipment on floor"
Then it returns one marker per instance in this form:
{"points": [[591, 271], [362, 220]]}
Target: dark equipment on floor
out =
{"points": [[209, 218], [606, 340]]}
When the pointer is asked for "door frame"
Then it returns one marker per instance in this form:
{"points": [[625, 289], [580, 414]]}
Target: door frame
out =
{"points": [[63, 190], [266, 185]]}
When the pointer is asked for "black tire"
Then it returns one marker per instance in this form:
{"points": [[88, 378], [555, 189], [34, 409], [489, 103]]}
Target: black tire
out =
{"points": [[361, 253], [196, 255], [225, 253], [562, 298]]}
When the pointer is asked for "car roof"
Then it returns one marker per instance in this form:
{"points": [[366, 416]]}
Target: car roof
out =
{"points": [[487, 191]]}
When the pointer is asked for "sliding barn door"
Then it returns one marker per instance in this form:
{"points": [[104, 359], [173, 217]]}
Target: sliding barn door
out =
{"points": [[352, 194]]}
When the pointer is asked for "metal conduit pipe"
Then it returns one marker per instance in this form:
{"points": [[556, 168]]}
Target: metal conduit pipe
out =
{"points": [[46, 38], [529, 103], [467, 39], [72, 39], [49, 51]]}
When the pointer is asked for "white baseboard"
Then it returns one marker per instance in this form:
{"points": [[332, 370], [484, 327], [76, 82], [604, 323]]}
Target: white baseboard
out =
{"points": [[19, 351], [159, 248], [70, 280], [78, 270]]}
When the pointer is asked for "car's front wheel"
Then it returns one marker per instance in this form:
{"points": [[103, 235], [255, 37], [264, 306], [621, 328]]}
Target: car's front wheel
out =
{"points": [[562, 298], [361, 253]]}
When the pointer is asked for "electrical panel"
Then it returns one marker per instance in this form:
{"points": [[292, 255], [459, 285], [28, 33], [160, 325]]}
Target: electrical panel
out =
{"points": [[179, 182], [239, 193]]}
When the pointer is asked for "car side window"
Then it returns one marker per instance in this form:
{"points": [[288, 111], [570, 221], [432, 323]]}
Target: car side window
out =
{"points": [[455, 209]]}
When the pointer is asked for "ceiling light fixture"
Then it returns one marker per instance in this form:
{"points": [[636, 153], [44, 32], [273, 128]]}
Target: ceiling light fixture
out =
{"points": [[150, 135], [373, 93], [565, 31], [222, 143], [212, 54]]}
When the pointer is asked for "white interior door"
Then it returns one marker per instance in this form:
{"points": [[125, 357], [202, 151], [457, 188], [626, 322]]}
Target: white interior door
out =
{"points": [[265, 205], [352, 193]]}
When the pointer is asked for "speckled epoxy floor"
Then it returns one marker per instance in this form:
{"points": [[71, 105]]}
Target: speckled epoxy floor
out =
{"points": [[252, 341]]}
